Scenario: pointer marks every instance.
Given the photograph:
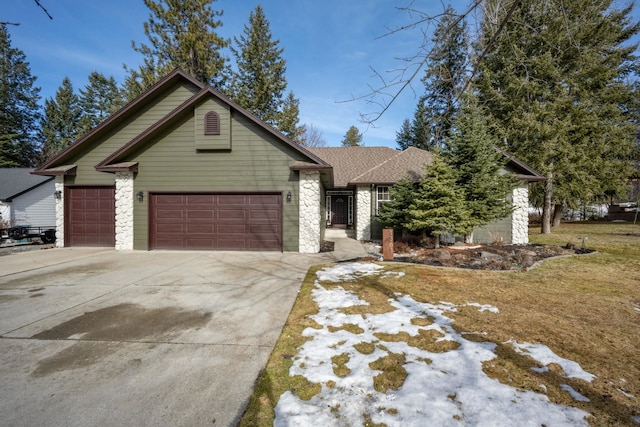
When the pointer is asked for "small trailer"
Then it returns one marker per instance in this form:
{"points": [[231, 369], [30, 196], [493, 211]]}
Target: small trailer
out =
{"points": [[16, 234]]}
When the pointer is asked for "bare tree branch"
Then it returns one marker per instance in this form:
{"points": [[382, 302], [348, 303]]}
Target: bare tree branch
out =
{"points": [[43, 9], [384, 95]]}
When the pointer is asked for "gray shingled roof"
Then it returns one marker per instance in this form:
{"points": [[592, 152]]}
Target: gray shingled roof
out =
{"points": [[350, 162], [373, 165], [408, 163], [17, 181]]}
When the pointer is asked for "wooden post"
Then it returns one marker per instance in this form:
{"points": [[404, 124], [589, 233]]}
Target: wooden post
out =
{"points": [[387, 244]]}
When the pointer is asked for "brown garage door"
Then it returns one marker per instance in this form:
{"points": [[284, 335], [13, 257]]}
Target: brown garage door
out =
{"points": [[250, 222], [90, 216]]}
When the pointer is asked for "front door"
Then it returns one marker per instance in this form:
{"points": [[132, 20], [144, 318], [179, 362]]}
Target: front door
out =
{"points": [[339, 210]]}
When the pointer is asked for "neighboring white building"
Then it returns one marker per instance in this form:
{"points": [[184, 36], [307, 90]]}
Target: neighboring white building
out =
{"points": [[26, 199]]}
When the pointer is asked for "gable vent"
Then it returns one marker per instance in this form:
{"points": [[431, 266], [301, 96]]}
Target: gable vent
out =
{"points": [[211, 123]]}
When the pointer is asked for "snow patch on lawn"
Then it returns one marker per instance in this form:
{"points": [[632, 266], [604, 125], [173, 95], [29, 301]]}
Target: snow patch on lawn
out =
{"points": [[545, 356], [444, 388]]}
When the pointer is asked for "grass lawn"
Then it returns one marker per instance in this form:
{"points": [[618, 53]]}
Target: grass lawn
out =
{"points": [[583, 308]]}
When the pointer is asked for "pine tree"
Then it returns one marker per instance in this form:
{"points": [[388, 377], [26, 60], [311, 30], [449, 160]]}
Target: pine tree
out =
{"points": [[288, 119], [181, 34], [395, 212], [438, 206], [100, 98], [443, 82], [19, 111], [471, 151], [352, 138], [556, 89], [259, 83], [62, 121]]}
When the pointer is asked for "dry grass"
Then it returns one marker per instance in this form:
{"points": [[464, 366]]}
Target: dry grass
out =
{"points": [[585, 308]]}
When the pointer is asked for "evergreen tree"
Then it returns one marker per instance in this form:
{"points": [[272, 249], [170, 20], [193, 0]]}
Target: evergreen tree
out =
{"points": [[443, 81], [438, 206], [99, 99], [259, 83], [395, 212], [19, 111], [556, 89], [471, 151], [404, 137], [352, 138], [181, 34], [62, 121], [288, 119]]}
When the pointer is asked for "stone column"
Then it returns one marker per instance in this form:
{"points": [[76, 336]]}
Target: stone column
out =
{"points": [[520, 215], [124, 210], [310, 216], [59, 186], [363, 212]]}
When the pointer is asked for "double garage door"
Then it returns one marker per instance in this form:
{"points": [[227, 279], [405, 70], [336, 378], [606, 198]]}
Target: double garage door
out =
{"points": [[223, 221]]}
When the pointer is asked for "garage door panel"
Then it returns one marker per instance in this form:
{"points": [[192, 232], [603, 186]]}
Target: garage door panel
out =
{"points": [[217, 221], [239, 229], [226, 214], [264, 214], [170, 228], [232, 200], [90, 216], [201, 228], [198, 199]]}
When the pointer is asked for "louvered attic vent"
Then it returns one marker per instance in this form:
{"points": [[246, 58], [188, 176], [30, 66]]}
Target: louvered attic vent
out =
{"points": [[211, 123]]}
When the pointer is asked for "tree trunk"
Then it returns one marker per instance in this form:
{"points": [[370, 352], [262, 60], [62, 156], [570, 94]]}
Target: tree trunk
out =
{"points": [[546, 208], [468, 238], [558, 209], [437, 241]]}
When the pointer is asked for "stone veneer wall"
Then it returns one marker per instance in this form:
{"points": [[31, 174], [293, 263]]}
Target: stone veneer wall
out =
{"points": [[363, 212], [520, 215], [59, 186], [310, 217], [124, 210]]}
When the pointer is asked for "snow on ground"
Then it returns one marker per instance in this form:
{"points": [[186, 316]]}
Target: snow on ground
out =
{"points": [[544, 355], [447, 388]]}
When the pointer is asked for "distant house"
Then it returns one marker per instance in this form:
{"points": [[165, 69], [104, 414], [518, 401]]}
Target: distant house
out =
{"points": [[26, 199], [183, 167]]}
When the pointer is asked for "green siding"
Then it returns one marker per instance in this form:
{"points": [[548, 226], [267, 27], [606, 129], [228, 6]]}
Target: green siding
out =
{"points": [[97, 150], [257, 162]]}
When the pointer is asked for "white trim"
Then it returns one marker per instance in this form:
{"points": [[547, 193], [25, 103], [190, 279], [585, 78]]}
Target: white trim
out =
{"points": [[59, 186]]}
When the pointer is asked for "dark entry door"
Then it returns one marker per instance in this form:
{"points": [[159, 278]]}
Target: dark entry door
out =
{"points": [[339, 210]]}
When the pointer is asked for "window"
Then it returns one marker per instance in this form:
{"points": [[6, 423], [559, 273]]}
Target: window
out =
{"points": [[211, 123], [382, 196]]}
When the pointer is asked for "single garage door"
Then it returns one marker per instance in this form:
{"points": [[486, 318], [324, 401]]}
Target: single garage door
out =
{"points": [[90, 214], [238, 221]]}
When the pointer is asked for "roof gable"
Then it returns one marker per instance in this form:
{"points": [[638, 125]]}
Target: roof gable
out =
{"points": [[187, 108], [116, 160], [120, 116]]}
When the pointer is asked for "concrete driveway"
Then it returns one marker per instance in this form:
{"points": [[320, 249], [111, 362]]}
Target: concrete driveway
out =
{"points": [[94, 337]]}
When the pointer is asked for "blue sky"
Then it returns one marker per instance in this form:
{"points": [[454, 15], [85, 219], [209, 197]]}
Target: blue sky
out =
{"points": [[331, 48]]}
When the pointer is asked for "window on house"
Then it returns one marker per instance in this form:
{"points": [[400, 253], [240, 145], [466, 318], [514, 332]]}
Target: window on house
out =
{"points": [[382, 196], [211, 123]]}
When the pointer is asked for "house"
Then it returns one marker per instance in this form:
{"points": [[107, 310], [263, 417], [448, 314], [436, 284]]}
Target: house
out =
{"points": [[363, 176], [26, 199], [184, 167]]}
